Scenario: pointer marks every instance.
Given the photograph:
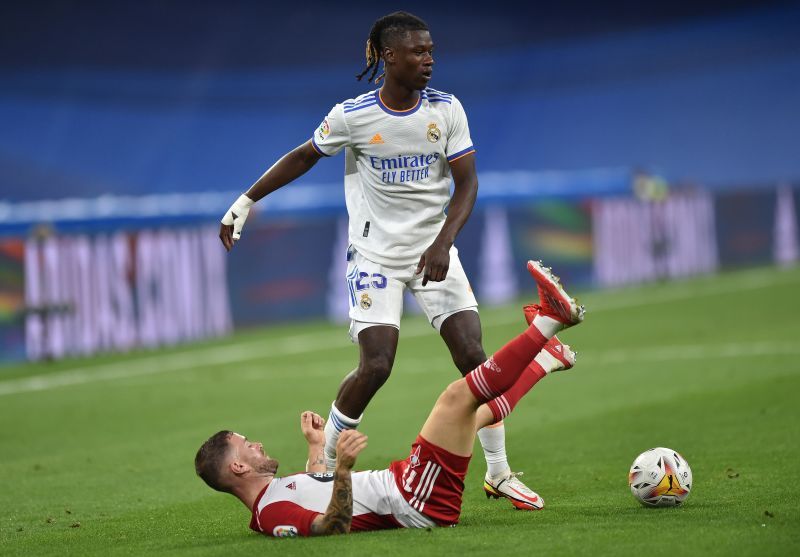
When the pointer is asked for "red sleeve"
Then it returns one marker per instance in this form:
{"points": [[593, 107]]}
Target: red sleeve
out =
{"points": [[284, 519]]}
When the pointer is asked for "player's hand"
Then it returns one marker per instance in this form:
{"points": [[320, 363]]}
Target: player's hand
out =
{"points": [[435, 261], [351, 443], [313, 427], [231, 228]]}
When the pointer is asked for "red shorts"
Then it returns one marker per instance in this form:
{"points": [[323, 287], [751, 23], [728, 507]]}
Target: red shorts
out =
{"points": [[431, 479]]}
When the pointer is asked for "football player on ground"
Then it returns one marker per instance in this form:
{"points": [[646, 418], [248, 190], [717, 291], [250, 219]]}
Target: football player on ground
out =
{"points": [[424, 490], [403, 143]]}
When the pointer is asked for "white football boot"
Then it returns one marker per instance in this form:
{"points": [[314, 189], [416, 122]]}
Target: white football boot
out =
{"points": [[508, 485]]}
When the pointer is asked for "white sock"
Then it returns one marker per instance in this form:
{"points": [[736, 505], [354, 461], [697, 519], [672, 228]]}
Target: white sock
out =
{"points": [[547, 325], [493, 441], [337, 422]]}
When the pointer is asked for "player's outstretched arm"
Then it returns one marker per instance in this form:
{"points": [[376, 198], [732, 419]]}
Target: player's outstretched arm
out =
{"points": [[313, 428], [339, 515], [291, 166], [435, 261]]}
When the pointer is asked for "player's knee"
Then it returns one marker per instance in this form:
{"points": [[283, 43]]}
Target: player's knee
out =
{"points": [[377, 368], [469, 357], [456, 395]]}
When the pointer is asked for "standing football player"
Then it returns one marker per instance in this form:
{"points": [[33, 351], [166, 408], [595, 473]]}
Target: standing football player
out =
{"points": [[403, 143]]}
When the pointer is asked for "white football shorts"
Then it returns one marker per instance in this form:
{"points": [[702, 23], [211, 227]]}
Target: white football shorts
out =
{"points": [[376, 293]]}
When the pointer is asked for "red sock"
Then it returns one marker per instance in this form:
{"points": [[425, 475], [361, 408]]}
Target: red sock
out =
{"points": [[499, 373], [502, 406]]}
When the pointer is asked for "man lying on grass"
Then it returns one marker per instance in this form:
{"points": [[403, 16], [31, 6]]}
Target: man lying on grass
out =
{"points": [[421, 491]]}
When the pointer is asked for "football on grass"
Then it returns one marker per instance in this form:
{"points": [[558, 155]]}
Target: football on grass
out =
{"points": [[660, 477]]}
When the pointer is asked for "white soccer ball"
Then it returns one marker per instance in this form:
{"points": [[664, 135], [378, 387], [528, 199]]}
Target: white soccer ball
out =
{"points": [[660, 477]]}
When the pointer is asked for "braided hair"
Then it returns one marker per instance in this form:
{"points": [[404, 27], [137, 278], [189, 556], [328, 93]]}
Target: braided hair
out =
{"points": [[383, 31]]}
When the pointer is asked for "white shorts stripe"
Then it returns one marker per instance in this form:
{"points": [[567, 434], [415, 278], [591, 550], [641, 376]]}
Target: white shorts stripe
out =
{"points": [[430, 486], [427, 487], [421, 480]]}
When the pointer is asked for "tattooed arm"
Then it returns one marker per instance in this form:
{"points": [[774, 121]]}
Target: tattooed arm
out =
{"points": [[339, 515], [316, 460]]}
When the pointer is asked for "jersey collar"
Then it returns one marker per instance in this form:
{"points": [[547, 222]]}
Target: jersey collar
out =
{"points": [[387, 110]]}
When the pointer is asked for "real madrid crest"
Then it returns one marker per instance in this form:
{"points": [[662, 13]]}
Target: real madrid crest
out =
{"points": [[433, 133], [366, 301]]}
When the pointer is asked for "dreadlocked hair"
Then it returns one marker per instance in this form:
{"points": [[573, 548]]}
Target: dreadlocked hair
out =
{"points": [[383, 30]]}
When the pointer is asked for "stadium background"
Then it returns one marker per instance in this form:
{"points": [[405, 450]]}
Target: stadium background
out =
{"points": [[621, 144], [127, 128]]}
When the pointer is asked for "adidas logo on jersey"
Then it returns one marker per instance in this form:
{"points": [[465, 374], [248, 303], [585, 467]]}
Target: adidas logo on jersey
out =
{"points": [[292, 486], [376, 139]]}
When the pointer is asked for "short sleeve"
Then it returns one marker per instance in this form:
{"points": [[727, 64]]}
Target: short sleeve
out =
{"points": [[459, 143], [332, 134], [284, 519]]}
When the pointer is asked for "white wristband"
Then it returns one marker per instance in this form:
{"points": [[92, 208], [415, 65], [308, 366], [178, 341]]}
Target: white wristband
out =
{"points": [[237, 214]]}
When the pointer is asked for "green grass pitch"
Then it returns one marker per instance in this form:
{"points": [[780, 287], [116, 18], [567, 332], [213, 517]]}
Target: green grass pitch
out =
{"points": [[96, 454]]}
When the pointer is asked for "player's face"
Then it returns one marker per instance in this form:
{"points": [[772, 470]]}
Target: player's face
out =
{"points": [[413, 59], [252, 453]]}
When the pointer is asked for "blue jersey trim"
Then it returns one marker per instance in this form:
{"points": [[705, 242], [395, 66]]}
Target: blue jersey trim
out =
{"points": [[361, 101], [317, 149], [351, 104], [362, 97], [434, 96], [388, 110], [461, 153], [360, 106]]}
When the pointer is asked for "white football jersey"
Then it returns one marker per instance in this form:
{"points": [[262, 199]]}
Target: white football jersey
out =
{"points": [[397, 169], [288, 505]]}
